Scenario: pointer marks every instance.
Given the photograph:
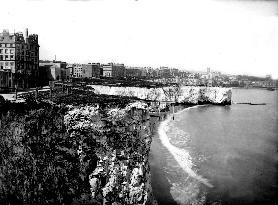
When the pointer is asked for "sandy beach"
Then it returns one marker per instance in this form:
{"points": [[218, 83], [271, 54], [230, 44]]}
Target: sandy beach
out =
{"points": [[160, 184]]}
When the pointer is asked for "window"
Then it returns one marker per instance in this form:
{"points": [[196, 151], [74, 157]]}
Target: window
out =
{"points": [[6, 50], [3, 45], [6, 63], [12, 57], [1, 57], [12, 63], [6, 56], [1, 50]]}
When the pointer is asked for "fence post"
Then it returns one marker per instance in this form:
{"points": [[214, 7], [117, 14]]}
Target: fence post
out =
{"points": [[16, 91], [50, 89]]}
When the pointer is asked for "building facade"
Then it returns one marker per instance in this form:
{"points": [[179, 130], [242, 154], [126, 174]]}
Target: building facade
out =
{"points": [[114, 70], [87, 71], [53, 71], [91, 70], [19, 59], [107, 70], [77, 71], [96, 70], [134, 72]]}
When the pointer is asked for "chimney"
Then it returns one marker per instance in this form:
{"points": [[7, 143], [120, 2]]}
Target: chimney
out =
{"points": [[26, 33]]}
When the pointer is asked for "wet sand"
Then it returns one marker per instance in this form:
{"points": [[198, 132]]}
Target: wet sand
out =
{"points": [[160, 185]]}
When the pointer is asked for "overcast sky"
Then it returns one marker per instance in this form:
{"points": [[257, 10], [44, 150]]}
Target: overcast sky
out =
{"points": [[237, 37]]}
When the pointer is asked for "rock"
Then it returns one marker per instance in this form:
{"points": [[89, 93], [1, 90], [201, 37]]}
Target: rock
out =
{"points": [[122, 173], [183, 94]]}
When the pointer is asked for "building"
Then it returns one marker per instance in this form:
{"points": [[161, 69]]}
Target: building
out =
{"points": [[107, 70], [96, 70], [209, 77], [134, 72], [70, 68], [19, 59], [53, 71], [208, 70], [77, 71], [113, 70], [164, 72], [174, 72], [91, 70], [65, 73], [87, 71]]}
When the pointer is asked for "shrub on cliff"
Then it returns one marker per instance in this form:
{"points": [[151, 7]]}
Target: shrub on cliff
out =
{"points": [[39, 162], [77, 97], [2, 100]]}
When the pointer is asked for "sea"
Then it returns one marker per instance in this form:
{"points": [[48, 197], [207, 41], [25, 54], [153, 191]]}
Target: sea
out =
{"points": [[212, 154]]}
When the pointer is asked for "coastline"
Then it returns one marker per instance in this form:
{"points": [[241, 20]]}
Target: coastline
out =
{"points": [[160, 184], [181, 156], [161, 148]]}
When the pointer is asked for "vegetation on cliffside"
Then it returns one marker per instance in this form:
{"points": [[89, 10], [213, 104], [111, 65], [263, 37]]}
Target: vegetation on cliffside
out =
{"points": [[50, 150], [38, 162]]}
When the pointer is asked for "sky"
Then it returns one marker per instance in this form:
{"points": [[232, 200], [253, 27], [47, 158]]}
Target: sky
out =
{"points": [[230, 36]]}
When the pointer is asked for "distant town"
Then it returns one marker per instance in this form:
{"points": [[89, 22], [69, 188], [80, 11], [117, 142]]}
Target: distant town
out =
{"points": [[21, 68]]}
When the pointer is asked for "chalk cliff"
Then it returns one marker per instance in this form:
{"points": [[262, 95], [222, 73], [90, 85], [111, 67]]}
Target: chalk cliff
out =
{"points": [[183, 94], [75, 151]]}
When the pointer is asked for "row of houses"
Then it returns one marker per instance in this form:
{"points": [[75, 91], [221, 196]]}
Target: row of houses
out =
{"points": [[58, 70], [20, 65]]}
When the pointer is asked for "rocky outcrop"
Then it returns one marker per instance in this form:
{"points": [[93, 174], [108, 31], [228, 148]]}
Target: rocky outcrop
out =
{"points": [[122, 138], [183, 94]]}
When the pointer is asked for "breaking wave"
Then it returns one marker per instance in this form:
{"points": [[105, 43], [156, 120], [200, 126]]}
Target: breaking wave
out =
{"points": [[182, 156], [187, 186]]}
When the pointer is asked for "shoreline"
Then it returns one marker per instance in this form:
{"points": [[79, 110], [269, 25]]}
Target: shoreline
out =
{"points": [[181, 156], [160, 147], [159, 182]]}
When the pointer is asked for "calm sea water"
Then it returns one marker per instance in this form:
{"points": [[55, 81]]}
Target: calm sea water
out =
{"points": [[233, 148]]}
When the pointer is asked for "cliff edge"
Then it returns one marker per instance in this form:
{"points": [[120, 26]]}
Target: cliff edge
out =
{"points": [[81, 153], [178, 94]]}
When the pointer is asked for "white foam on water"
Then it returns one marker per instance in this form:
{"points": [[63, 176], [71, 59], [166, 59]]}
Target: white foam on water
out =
{"points": [[182, 156]]}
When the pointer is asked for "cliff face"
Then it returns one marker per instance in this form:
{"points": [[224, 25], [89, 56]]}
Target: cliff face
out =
{"points": [[121, 174], [89, 153], [184, 94]]}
